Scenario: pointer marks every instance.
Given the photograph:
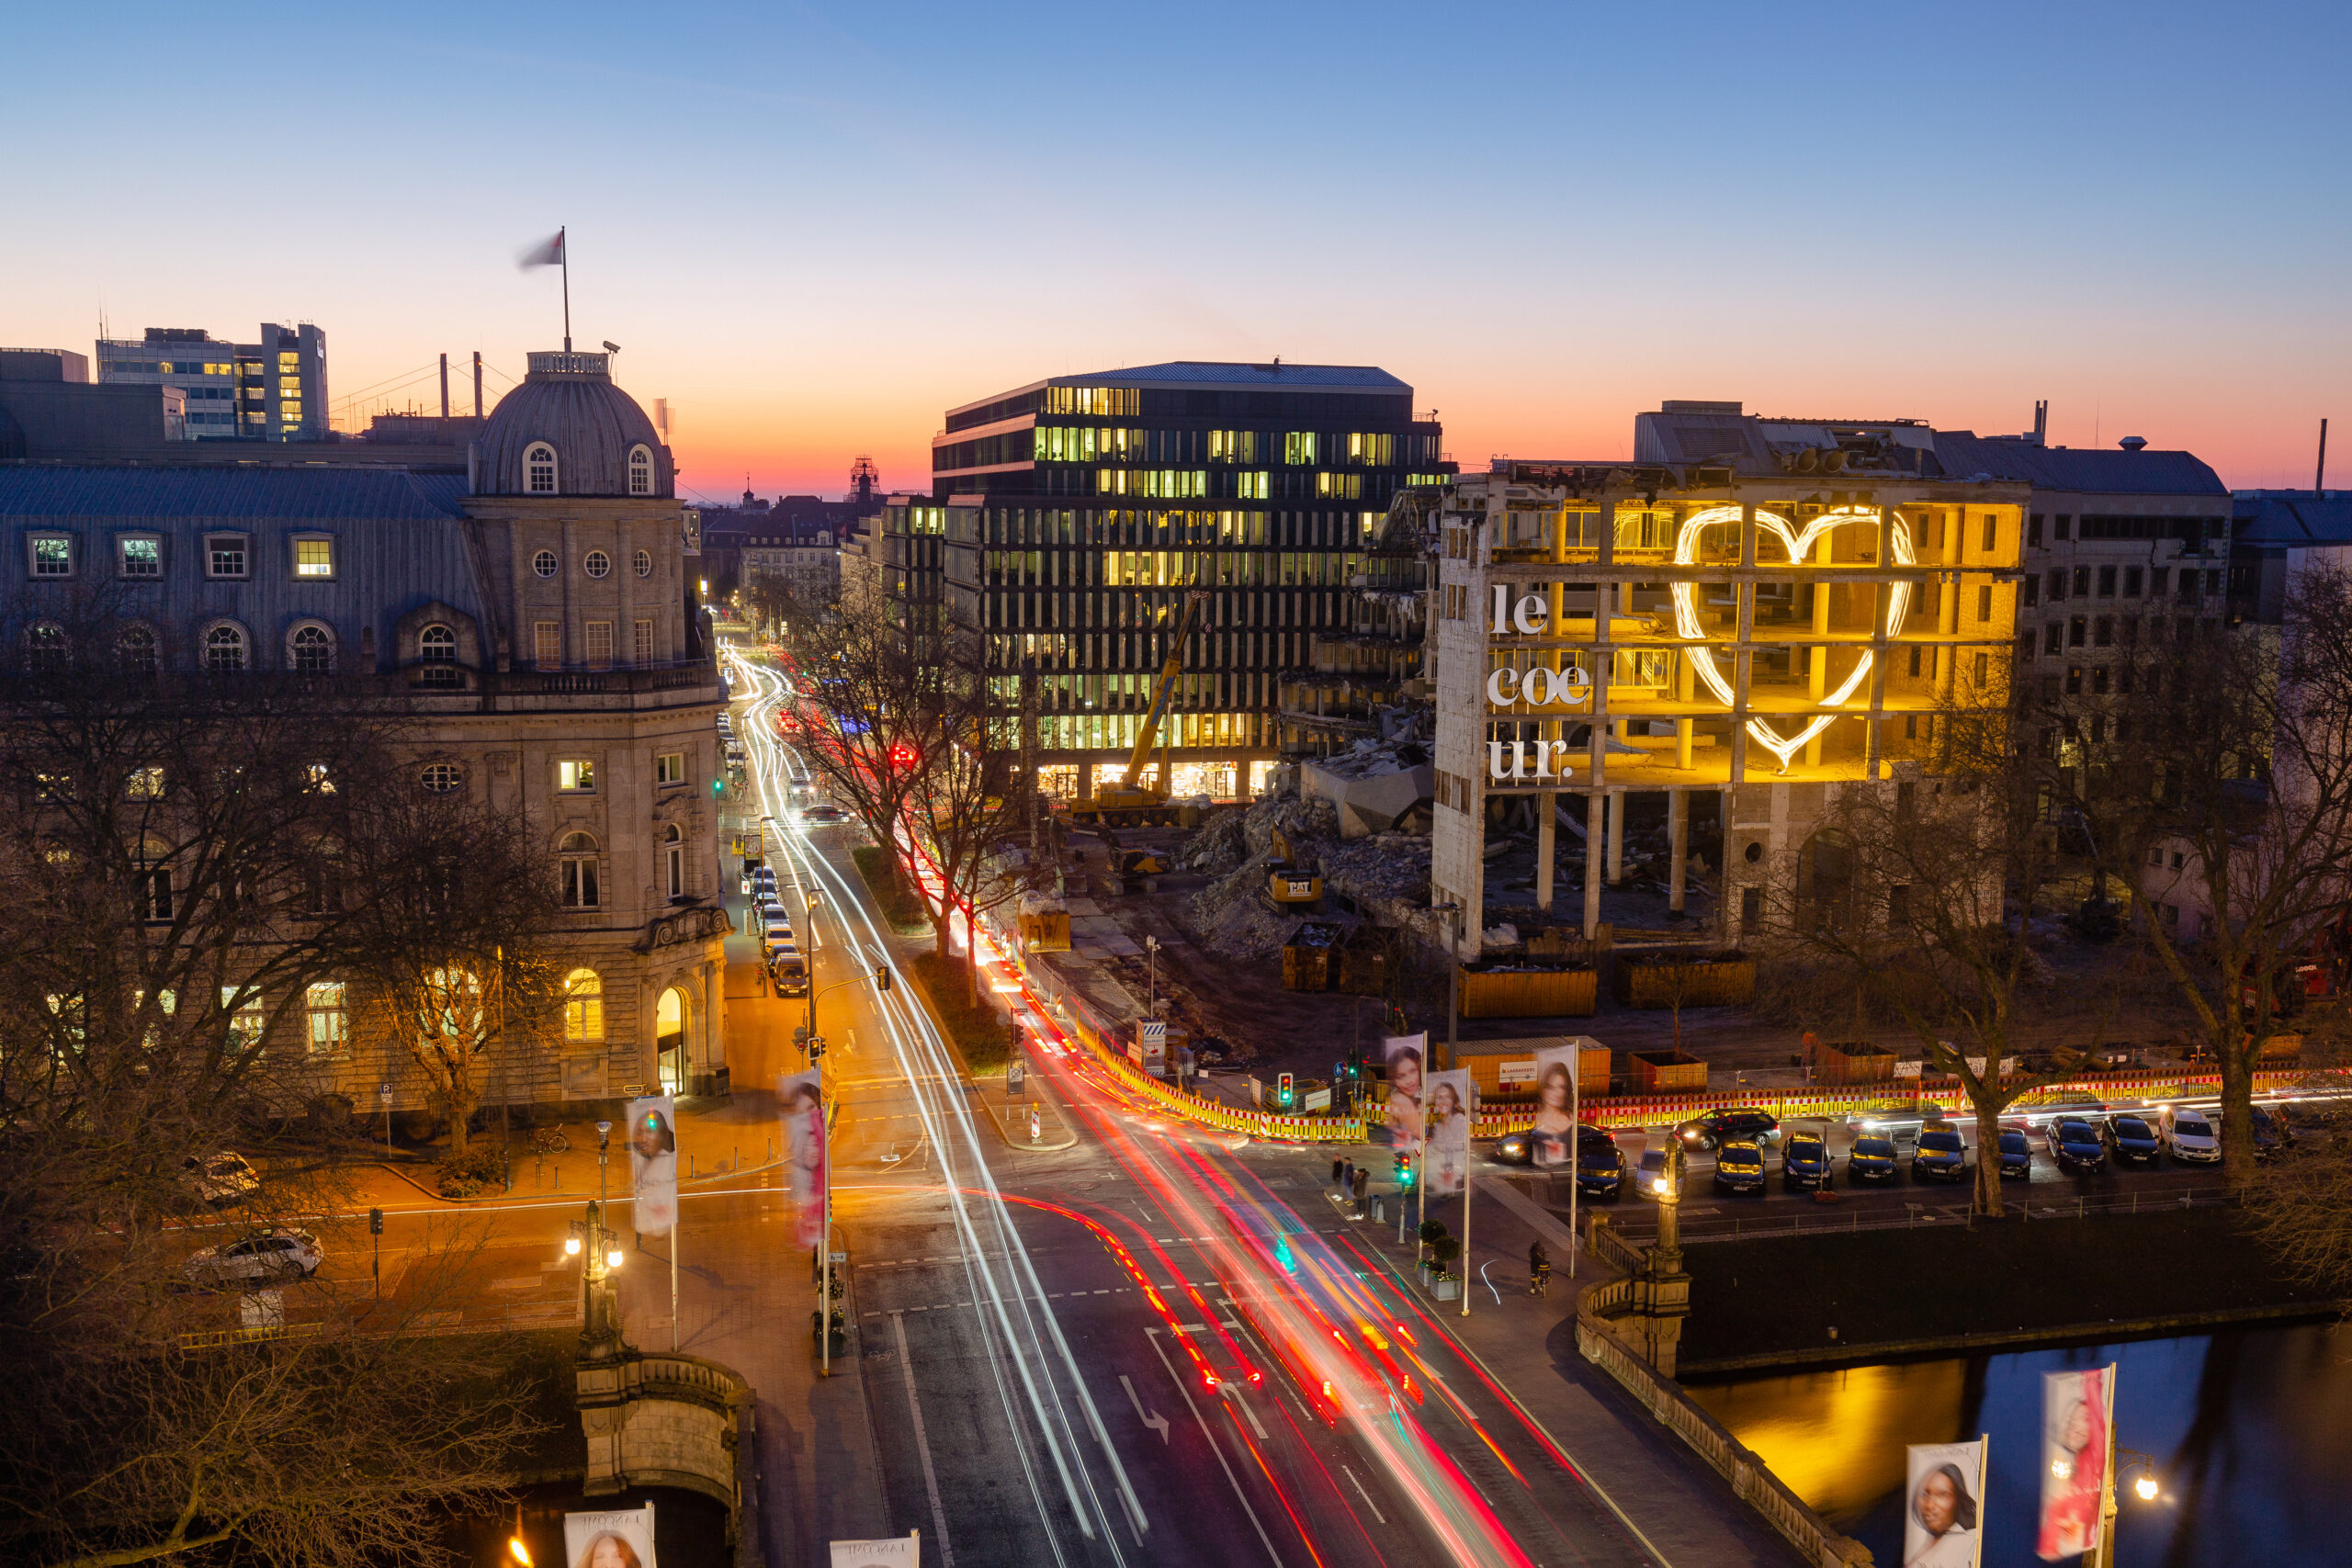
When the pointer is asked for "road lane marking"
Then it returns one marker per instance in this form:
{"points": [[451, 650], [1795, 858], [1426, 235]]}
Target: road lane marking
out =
{"points": [[922, 1443], [1364, 1494], [1234, 1390], [1154, 1421], [1215, 1447]]}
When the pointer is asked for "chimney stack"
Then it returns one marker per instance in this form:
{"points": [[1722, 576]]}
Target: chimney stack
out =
{"points": [[2040, 422]]}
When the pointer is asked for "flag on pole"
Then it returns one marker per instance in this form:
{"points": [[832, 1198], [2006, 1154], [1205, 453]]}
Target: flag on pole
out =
{"points": [[548, 254]]}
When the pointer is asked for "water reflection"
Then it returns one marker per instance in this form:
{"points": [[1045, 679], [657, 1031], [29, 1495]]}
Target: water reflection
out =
{"points": [[2251, 1430]]}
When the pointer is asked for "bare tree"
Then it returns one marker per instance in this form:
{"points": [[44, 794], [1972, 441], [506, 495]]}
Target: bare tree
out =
{"points": [[1923, 894], [2217, 775]]}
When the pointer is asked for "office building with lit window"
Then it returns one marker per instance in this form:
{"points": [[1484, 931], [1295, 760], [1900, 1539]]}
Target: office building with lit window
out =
{"points": [[274, 389], [1070, 519]]}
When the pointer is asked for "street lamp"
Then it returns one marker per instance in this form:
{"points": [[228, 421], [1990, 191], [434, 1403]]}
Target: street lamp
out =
{"points": [[2129, 1460]]}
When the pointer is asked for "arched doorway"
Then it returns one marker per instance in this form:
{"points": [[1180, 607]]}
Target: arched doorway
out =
{"points": [[669, 1038]]}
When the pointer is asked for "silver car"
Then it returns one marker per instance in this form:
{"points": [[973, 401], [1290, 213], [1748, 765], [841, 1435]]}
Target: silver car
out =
{"points": [[274, 1255]]}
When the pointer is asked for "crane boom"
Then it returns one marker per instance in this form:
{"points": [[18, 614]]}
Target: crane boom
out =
{"points": [[1163, 690]]}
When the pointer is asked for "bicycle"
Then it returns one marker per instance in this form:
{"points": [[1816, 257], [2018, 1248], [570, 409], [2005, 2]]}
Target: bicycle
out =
{"points": [[1539, 1279], [549, 1141]]}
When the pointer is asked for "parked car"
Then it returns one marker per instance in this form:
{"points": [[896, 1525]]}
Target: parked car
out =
{"points": [[2272, 1132], [2132, 1140], [1714, 1128], [1805, 1160], [2017, 1152], [277, 1254], [2075, 1144], [1939, 1154], [1600, 1165], [222, 1178], [1648, 1171], [1739, 1166], [2189, 1134], [1872, 1158]]}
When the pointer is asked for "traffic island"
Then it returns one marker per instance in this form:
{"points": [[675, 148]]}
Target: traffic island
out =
{"points": [[1027, 1117]]}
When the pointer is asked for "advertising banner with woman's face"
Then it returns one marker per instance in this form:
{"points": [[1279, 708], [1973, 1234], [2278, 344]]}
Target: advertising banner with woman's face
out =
{"points": [[2077, 1415], [802, 1097], [1445, 1162], [621, 1539], [1407, 1056], [1552, 1140], [653, 1163], [1943, 1504]]}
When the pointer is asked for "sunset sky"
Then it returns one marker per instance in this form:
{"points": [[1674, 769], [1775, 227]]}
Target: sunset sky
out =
{"points": [[813, 229]]}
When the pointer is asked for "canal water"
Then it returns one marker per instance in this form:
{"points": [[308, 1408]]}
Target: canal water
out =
{"points": [[2251, 1430]]}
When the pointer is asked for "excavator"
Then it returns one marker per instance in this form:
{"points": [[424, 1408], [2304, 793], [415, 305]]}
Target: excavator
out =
{"points": [[1132, 803]]}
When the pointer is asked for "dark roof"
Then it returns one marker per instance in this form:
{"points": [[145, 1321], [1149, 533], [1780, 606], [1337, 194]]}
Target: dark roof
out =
{"points": [[378, 495], [568, 401], [1235, 376], [1964, 455], [2292, 517]]}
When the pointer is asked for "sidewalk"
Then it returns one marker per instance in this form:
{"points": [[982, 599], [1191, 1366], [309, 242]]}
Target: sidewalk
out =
{"points": [[1528, 1345]]}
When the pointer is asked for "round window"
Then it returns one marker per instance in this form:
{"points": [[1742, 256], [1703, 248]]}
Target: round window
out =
{"points": [[598, 563], [645, 563], [440, 778], [544, 563], [1754, 853]]}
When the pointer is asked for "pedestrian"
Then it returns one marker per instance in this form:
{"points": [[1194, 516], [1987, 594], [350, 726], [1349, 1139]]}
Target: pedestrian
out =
{"points": [[1363, 1180], [1339, 1173], [1539, 1269], [1347, 1177]]}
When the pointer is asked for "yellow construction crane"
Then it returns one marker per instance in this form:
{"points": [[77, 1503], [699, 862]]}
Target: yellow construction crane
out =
{"points": [[1131, 801]]}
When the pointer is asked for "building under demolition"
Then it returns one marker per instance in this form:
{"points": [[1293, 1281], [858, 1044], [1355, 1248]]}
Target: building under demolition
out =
{"points": [[1769, 610]]}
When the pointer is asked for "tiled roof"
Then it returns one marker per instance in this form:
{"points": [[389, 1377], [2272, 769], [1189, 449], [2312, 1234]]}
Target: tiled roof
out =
{"points": [[1964, 455], [378, 495]]}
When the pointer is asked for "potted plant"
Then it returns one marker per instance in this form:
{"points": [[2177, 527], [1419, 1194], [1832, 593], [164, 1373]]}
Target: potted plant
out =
{"points": [[1444, 1283], [1433, 1232]]}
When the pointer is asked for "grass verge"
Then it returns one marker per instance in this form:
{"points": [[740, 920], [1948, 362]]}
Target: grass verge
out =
{"points": [[979, 1032], [1751, 1298], [891, 894]]}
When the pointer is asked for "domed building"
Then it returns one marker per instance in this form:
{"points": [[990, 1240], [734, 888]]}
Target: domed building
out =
{"points": [[537, 614]]}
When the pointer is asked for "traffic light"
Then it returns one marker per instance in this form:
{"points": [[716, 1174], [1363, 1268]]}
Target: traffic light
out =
{"points": [[882, 976], [375, 1221], [1404, 1170], [1283, 1092]]}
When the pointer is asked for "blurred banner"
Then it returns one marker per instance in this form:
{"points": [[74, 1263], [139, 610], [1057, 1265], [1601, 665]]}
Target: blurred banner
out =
{"points": [[2078, 1417], [803, 1100], [893, 1551], [1407, 1055], [653, 1163], [1446, 1161], [1553, 1139], [1944, 1505], [619, 1540]]}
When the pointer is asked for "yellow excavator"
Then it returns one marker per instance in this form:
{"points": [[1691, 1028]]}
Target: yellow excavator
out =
{"points": [[1132, 803]]}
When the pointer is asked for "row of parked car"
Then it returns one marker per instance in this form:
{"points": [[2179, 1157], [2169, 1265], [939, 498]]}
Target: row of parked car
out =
{"points": [[786, 964], [2077, 1142]]}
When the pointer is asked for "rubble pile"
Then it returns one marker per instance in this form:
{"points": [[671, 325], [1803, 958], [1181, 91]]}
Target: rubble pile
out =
{"points": [[1387, 874]]}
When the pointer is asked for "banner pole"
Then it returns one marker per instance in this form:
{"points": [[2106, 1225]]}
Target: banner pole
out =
{"points": [[1575, 1150], [677, 1234]]}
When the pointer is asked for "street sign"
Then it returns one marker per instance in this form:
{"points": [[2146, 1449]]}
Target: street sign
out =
{"points": [[1012, 1079], [1154, 1031]]}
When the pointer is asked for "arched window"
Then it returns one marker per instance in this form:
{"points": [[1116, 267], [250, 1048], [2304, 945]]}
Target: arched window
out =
{"points": [[645, 563], [312, 650], [640, 470], [441, 778], [584, 1005], [539, 468], [225, 649], [673, 859], [436, 657], [45, 651], [598, 564], [580, 879], [134, 649], [544, 563]]}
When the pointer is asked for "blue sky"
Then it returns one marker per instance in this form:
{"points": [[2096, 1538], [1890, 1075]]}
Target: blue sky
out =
{"points": [[812, 228]]}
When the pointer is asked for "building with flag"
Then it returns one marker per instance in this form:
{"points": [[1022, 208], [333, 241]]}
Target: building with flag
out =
{"points": [[536, 616]]}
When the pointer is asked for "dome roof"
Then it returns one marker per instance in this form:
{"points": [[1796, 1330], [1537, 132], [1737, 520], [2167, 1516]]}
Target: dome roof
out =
{"points": [[568, 401]]}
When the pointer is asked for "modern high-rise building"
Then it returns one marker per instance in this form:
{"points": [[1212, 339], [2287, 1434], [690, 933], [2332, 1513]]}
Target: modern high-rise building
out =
{"points": [[274, 389], [1071, 519]]}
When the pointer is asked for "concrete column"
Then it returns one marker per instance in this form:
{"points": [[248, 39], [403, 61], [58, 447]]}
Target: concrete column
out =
{"points": [[1677, 827], [1546, 804], [1616, 838], [1086, 780], [1686, 728], [1592, 837]]}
